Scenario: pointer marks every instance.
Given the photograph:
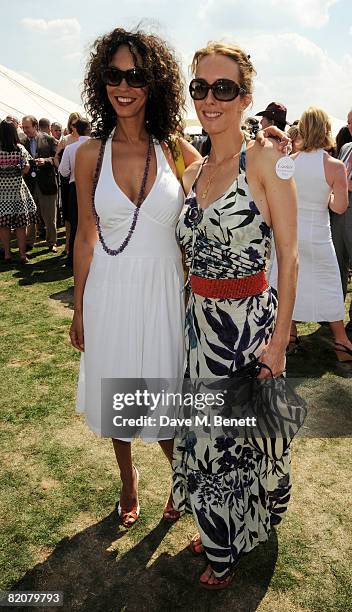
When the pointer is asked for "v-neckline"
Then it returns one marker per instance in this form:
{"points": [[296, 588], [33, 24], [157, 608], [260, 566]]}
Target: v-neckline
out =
{"points": [[234, 182], [118, 186]]}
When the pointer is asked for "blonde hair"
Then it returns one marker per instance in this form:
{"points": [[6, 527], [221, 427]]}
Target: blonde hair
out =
{"points": [[293, 132], [234, 52], [72, 117], [315, 130]]}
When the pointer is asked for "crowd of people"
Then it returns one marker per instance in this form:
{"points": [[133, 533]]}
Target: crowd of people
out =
{"points": [[37, 182], [137, 195], [46, 198]]}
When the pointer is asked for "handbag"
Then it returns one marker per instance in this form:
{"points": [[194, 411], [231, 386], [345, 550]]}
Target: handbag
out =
{"points": [[278, 409]]}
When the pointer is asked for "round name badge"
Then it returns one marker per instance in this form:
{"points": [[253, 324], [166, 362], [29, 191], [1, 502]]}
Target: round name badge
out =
{"points": [[285, 167], [33, 174]]}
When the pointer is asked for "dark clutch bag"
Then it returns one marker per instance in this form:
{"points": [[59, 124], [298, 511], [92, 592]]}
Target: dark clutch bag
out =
{"points": [[278, 409]]}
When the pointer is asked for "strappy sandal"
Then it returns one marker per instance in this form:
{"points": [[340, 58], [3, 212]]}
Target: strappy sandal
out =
{"points": [[129, 517], [194, 544], [343, 354], [169, 513], [224, 584], [293, 344]]}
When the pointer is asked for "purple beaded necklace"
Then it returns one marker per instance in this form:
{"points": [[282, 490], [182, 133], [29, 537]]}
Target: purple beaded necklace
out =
{"points": [[137, 205]]}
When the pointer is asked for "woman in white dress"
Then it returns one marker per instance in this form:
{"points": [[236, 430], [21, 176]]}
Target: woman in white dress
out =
{"points": [[129, 312], [321, 184]]}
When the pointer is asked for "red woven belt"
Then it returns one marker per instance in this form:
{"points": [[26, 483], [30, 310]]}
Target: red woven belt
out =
{"points": [[231, 288]]}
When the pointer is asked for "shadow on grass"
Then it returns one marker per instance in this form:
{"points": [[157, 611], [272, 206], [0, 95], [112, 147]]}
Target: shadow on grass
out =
{"points": [[48, 270], [315, 357], [65, 297], [94, 579], [324, 383]]}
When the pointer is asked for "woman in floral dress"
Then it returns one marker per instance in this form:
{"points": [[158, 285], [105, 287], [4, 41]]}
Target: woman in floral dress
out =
{"points": [[235, 201], [17, 207]]}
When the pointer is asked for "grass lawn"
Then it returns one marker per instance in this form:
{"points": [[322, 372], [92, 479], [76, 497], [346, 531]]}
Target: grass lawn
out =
{"points": [[59, 483]]}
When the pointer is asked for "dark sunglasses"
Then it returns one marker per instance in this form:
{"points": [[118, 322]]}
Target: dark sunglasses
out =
{"points": [[223, 90], [135, 77]]}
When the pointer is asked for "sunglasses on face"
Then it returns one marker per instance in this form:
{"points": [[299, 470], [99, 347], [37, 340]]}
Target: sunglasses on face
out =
{"points": [[223, 90], [135, 77]]}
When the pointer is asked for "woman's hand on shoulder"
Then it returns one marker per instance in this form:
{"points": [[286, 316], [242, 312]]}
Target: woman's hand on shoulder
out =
{"points": [[265, 156], [281, 139]]}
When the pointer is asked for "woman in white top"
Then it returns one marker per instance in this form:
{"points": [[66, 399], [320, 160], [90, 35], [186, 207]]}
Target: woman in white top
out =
{"points": [[129, 311], [321, 183]]}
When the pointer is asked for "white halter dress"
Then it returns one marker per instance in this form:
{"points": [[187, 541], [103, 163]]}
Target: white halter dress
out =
{"points": [[133, 310], [319, 291]]}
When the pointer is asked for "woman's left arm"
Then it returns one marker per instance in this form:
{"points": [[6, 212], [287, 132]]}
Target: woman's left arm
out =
{"points": [[26, 158], [282, 203]]}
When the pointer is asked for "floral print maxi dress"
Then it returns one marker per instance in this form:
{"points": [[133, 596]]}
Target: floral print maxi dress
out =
{"points": [[234, 492]]}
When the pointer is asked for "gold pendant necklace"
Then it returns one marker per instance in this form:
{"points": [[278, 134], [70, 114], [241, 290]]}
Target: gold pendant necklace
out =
{"points": [[205, 191]]}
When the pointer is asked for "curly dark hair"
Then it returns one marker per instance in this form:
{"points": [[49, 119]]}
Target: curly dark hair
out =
{"points": [[166, 98]]}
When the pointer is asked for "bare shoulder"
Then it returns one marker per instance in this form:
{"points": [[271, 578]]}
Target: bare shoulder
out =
{"points": [[90, 146], [335, 172], [263, 158], [335, 165], [87, 152], [86, 160], [267, 153]]}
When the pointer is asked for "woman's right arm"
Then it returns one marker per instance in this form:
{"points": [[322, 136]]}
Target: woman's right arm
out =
{"points": [[86, 236]]}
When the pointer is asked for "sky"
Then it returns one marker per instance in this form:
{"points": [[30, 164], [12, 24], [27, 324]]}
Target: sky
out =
{"points": [[301, 49]]}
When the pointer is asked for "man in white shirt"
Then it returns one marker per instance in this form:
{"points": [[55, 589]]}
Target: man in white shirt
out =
{"points": [[67, 168]]}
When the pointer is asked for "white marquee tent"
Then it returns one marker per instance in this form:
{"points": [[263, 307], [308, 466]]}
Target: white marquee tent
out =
{"points": [[20, 96]]}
